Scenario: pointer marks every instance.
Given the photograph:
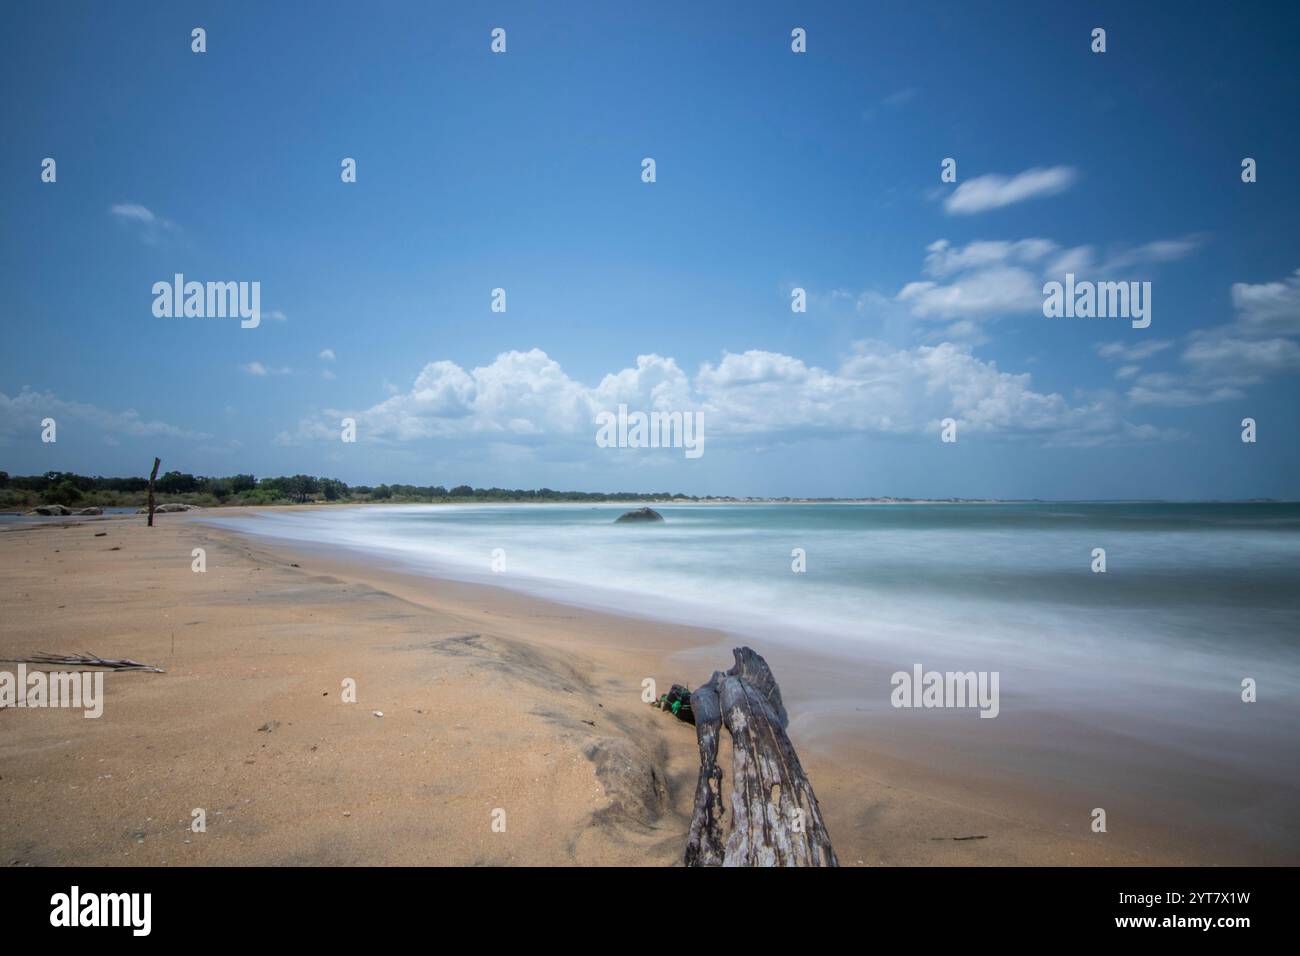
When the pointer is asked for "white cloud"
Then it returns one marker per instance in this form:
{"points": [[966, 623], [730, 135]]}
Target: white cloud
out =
{"points": [[1241, 361], [130, 210], [756, 394], [1159, 250], [1078, 260], [1270, 308], [23, 413], [261, 371], [151, 226], [891, 102], [982, 279], [1259, 344], [982, 293], [1171, 395], [944, 259], [1132, 351], [327, 355], [993, 191], [988, 278]]}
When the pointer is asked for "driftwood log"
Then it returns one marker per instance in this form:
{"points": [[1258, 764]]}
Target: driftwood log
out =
{"points": [[775, 817], [152, 476]]}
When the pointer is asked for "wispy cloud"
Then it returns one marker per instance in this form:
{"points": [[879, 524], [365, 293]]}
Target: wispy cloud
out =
{"points": [[152, 226], [1131, 352], [1220, 362], [900, 97], [891, 102], [1223, 357], [1260, 342], [1162, 250], [24, 411], [988, 278], [130, 210], [1269, 307], [994, 191], [261, 371], [1172, 391]]}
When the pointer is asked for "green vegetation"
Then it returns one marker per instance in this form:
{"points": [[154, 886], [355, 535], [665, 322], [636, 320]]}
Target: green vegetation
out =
{"points": [[66, 488]]}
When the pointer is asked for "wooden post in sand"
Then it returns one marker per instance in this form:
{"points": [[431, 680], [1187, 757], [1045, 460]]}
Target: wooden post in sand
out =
{"points": [[775, 817], [152, 477]]}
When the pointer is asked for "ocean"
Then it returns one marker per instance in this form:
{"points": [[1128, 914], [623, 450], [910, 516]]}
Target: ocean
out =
{"points": [[1126, 687], [1192, 594]]}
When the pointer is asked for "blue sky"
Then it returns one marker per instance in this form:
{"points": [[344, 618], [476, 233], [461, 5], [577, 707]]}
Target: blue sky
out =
{"points": [[774, 170]]}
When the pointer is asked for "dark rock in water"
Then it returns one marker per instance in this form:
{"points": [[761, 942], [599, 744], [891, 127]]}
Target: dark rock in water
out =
{"points": [[50, 511], [169, 508], [640, 514]]}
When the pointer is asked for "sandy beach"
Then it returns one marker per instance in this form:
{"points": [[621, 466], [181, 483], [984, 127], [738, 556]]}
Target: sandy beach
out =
{"points": [[490, 701]]}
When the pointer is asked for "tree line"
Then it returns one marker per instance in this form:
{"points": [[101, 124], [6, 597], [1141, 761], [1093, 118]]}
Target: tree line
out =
{"points": [[68, 488]]}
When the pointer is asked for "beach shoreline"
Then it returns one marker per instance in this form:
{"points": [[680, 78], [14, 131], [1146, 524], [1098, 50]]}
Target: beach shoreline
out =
{"points": [[491, 700]]}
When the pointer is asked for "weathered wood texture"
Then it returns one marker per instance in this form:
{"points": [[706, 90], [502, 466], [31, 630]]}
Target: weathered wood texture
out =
{"points": [[153, 475], [775, 817], [704, 844]]}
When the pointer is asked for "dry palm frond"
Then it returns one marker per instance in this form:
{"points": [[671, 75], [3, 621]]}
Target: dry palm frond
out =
{"points": [[85, 660]]}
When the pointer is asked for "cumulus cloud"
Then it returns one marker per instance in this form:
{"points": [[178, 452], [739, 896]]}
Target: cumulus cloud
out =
{"points": [[22, 413], [327, 355], [994, 191], [876, 389]]}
